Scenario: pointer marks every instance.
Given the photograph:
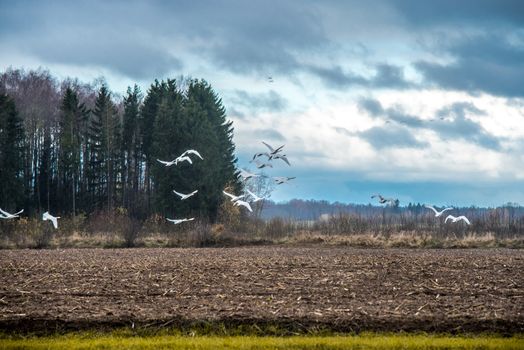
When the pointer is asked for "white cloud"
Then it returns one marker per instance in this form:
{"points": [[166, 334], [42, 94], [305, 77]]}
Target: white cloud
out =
{"points": [[328, 139]]}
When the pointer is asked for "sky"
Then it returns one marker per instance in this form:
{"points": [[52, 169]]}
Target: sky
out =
{"points": [[418, 100]]}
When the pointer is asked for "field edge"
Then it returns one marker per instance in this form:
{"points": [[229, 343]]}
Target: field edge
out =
{"points": [[261, 327], [119, 339]]}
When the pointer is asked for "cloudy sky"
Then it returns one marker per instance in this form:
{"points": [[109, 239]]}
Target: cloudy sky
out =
{"points": [[419, 100]]}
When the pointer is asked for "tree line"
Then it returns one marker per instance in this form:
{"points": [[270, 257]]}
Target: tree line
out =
{"points": [[307, 210], [503, 221], [69, 147]]}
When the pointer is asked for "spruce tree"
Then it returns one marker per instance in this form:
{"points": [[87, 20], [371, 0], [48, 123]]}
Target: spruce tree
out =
{"points": [[72, 115], [214, 135], [148, 115], [170, 136], [45, 171], [104, 147], [11, 155], [130, 157]]}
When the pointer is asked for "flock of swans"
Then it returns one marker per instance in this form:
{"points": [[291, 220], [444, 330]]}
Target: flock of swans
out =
{"points": [[245, 199], [6, 215], [393, 201], [250, 197], [449, 217], [45, 216], [184, 157]]}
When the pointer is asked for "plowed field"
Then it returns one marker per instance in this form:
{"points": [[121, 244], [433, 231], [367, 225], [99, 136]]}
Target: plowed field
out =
{"points": [[341, 289]]}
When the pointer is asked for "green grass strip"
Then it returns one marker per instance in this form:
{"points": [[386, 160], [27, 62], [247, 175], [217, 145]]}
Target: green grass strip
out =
{"points": [[364, 341]]}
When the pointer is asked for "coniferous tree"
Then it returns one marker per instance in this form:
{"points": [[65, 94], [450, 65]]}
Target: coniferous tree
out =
{"points": [[215, 137], [103, 150], [72, 116], [169, 138], [97, 149], [130, 157], [147, 121], [45, 171], [11, 155]]}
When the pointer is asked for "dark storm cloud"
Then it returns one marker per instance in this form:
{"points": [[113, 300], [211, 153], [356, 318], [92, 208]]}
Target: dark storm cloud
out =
{"points": [[459, 110], [450, 122], [395, 114], [132, 59], [389, 76], [385, 76], [489, 63], [391, 136], [149, 39], [336, 77], [264, 37], [432, 13], [141, 38], [371, 106], [487, 43], [104, 35], [399, 116], [460, 127], [270, 101]]}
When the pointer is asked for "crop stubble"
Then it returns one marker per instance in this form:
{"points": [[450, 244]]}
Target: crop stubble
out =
{"points": [[342, 289]]}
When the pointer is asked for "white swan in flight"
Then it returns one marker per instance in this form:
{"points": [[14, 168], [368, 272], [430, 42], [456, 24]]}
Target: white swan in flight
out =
{"points": [[178, 221], [458, 218], [232, 196], [239, 202], [260, 154], [6, 215], [280, 156], [262, 165], [254, 196], [166, 163], [246, 175], [279, 180], [273, 151], [437, 213], [388, 201], [191, 151], [183, 159], [53, 219], [176, 161], [185, 196]]}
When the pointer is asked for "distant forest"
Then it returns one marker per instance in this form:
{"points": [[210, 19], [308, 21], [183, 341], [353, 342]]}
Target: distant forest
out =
{"points": [[71, 148], [307, 210], [342, 218]]}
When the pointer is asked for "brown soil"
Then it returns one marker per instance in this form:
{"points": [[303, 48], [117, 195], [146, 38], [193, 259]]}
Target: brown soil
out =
{"points": [[340, 289]]}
